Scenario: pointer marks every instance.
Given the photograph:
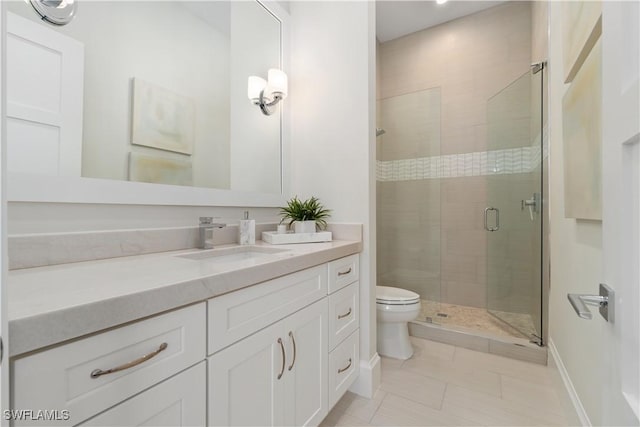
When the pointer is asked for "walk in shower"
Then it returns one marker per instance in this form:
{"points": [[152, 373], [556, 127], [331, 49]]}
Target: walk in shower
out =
{"points": [[464, 230]]}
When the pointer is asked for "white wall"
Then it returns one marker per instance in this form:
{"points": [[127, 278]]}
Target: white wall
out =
{"points": [[576, 255], [332, 96], [255, 151]]}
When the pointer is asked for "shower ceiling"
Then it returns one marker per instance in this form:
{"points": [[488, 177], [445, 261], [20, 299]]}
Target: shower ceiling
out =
{"points": [[398, 18]]}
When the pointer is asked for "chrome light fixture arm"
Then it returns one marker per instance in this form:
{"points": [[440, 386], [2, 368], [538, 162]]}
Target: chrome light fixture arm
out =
{"points": [[266, 106], [266, 94]]}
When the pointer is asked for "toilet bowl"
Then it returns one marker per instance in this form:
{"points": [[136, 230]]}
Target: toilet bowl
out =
{"points": [[395, 308]]}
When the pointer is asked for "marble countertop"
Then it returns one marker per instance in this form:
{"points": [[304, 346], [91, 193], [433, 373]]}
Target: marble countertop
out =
{"points": [[49, 305]]}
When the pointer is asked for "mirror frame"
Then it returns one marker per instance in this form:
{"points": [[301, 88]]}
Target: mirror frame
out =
{"points": [[23, 187]]}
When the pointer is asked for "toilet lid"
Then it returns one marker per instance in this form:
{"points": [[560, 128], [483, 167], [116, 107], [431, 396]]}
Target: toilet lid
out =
{"points": [[389, 295]]}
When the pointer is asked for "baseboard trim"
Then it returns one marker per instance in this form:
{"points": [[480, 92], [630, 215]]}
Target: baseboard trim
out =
{"points": [[571, 391], [369, 379]]}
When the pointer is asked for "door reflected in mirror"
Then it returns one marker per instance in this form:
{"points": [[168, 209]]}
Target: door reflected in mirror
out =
{"points": [[150, 91]]}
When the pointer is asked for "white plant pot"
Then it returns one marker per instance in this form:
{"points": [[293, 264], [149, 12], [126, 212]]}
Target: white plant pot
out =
{"points": [[304, 226]]}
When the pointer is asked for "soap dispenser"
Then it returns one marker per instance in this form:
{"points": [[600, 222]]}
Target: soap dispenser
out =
{"points": [[247, 230]]}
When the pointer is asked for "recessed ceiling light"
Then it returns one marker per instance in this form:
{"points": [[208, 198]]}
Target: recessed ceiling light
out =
{"points": [[441, 1]]}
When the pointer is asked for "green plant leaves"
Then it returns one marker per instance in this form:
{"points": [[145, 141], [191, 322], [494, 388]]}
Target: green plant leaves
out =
{"points": [[308, 210]]}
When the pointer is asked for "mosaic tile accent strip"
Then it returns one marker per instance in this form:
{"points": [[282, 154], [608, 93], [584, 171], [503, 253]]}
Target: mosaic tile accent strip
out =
{"points": [[480, 163]]}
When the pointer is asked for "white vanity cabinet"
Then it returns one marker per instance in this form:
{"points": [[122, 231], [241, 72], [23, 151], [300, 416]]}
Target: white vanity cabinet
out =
{"points": [[281, 352], [275, 377], [279, 372], [344, 325], [283, 374]]}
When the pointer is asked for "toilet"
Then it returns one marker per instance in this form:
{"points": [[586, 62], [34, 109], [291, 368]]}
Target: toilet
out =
{"points": [[395, 308]]}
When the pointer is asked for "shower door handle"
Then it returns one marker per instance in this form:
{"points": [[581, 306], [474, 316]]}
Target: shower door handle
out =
{"points": [[486, 219]]}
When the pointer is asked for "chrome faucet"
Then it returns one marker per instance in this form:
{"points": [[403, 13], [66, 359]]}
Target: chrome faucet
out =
{"points": [[206, 231]]}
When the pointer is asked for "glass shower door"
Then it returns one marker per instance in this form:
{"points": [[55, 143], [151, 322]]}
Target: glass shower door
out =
{"points": [[513, 219]]}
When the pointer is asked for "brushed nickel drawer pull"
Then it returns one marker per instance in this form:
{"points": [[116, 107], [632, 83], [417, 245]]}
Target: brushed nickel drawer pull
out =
{"points": [[294, 350], [96, 373], [283, 362], [342, 273], [345, 368], [342, 316]]}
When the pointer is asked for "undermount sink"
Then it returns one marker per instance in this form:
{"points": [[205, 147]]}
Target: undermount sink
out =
{"points": [[234, 254]]}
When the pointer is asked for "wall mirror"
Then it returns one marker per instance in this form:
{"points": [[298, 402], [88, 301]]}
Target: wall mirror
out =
{"points": [[144, 102]]}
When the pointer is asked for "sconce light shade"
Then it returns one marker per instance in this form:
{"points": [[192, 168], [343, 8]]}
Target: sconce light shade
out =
{"points": [[278, 82], [255, 86], [267, 94]]}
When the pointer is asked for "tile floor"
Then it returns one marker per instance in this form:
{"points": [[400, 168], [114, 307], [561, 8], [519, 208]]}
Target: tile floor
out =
{"points": [[443, 385]]}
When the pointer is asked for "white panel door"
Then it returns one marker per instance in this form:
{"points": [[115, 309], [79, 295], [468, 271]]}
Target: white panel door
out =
{"points": [[246, 381], [306, 391], [44, 99], [621, 210]]}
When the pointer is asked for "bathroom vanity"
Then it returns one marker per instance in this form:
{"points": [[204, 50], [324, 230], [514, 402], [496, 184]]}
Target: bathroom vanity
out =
{"points": [[238, 335]]}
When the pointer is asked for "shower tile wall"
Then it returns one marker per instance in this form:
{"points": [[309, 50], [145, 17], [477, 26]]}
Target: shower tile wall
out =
{"points": [[431, 236], [409, 210]]}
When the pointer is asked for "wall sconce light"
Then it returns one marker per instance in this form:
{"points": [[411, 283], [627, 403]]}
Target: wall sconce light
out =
{"points": [[266, 94]]}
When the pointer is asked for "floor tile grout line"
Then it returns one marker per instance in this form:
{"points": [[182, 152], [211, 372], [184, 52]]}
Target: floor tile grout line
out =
{"points": [[518, 378], [446, 386], [466, 386], [386, 393], [410, 399]]}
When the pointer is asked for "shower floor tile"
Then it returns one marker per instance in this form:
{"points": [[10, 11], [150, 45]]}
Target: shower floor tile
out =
{"points": [[466, 318]]}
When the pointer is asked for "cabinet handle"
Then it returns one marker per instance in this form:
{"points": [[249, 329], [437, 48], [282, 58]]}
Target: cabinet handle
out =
{"points": [[342, 273], [345, 368], [283, 362], [96, 373], [342, 316], [293, 340]]}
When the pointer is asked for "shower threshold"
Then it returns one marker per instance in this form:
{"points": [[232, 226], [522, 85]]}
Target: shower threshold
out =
{"points": [[477, 329], [475, 319]]}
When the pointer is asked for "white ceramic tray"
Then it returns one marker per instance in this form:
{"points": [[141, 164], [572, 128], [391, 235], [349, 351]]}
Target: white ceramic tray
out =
{"points": [[275, 238]]}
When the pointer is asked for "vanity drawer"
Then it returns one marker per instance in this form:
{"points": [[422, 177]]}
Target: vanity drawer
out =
{"points": [[344, 364], [343, 272], [61, 378], [344, 313], [179, 401], [238, 314]]}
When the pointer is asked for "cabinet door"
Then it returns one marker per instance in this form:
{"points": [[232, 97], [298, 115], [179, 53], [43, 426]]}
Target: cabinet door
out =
{"points": [[178, 401], [244, 388], [306, 391]]}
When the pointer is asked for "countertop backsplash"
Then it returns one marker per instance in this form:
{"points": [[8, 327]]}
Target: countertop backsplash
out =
{"points": [[38, 250]]}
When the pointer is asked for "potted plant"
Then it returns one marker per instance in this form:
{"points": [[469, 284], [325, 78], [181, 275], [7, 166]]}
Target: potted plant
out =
{"points": [[305, 215]]}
